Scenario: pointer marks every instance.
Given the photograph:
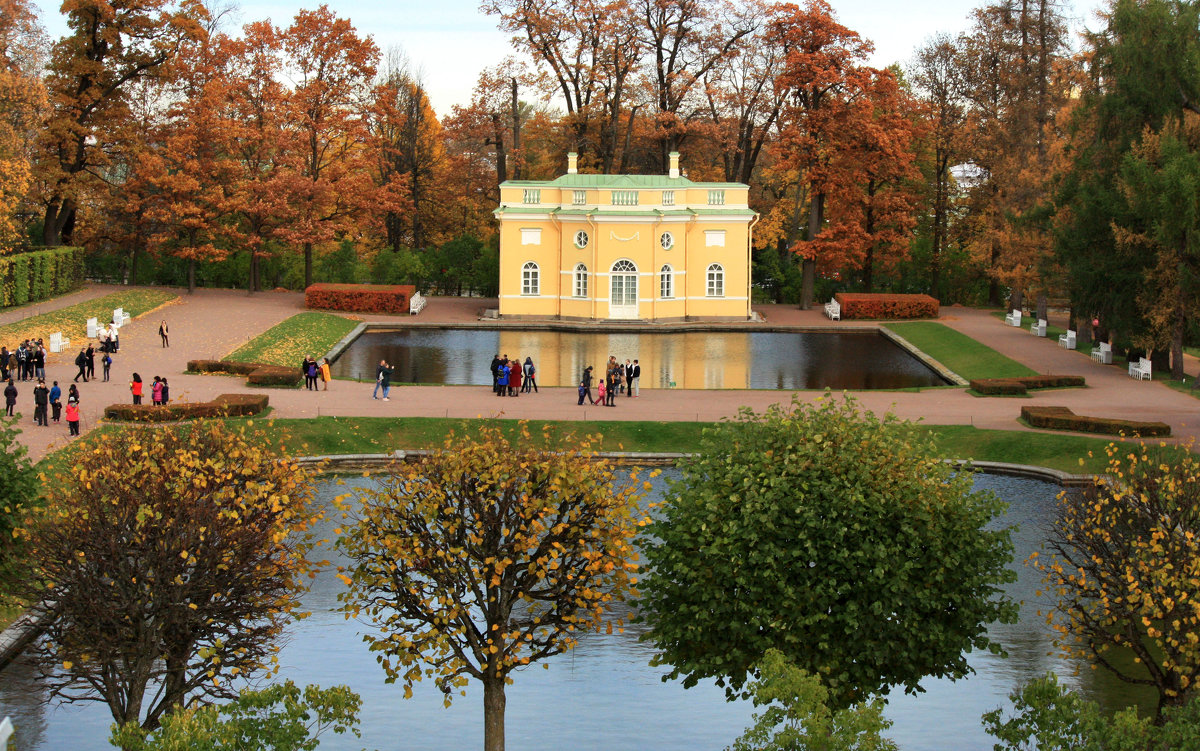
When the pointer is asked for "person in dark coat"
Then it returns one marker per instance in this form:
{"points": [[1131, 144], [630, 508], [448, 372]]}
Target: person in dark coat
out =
{"points": [[91, 361], [495, 368], [587, 384], [81, 363], [385, 379], [56, 402], [10, 398], [41, 398]]}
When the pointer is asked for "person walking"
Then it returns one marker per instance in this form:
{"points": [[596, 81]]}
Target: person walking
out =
{"points": [[325, 377], [106, 363], [4, 363], [162, 333], [636, 382], [582, 392], [587, 383], [10, 398], [55, 402], [602, 393], [530, 375], [90, 356], [135, 388], [41, 398], [72, 418], [379, 379], [385, 379], [81, 363]]}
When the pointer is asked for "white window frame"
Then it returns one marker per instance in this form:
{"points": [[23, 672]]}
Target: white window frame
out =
{"points": [[666, 241], [581, 280], [714, 281], [716, 198], [666, 282], [581, 239], [530, 279], [579, 198], [532, 195], [668, 198]]}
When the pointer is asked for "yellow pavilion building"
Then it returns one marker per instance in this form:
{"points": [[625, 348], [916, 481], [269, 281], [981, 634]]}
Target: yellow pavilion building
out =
{"points": [[625, 247]]}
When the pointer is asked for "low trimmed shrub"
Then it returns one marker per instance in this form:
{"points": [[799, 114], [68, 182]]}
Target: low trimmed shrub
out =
{"points": [[360, 298], [256, 374], [886, 306], [1019, 386], [225, 405], [1061, 418]]}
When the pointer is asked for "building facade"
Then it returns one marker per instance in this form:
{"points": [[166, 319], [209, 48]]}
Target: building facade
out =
{"points": [[624, 247]]}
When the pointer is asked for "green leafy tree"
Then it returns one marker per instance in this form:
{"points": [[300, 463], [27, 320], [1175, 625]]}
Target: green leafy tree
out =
{"points": [[1049, 717], [834, 536], [798, 718], [19, 490], [486, 557], [281, 717]]}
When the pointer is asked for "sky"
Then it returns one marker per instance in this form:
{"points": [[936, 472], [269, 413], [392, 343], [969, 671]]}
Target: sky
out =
{"points": [[450, 41]]}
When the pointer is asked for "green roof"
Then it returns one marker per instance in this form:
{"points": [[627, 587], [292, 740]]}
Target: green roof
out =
{"points": [[617, 182]]}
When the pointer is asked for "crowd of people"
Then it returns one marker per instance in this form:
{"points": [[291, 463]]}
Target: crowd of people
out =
{"points": [[312, 370], [619, 378], [513, 377]]}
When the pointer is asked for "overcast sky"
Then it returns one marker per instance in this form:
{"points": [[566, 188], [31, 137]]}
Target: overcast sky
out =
{"points": [[451, 41]]}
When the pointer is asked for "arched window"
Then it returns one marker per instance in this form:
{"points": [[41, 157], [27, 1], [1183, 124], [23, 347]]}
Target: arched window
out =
{"points": [[624, 266], [529, 279], [715, 286], [666, 282], [581, 280]]}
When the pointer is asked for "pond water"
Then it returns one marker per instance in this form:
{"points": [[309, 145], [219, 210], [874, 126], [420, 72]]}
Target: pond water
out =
{"points": [[604, 694], [688, 360]]}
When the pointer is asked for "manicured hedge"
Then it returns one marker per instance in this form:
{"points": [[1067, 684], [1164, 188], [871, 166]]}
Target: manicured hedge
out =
{"points": [[362, 298], [1018, 386], [225, 405], [886, 306], [256, 374], [1061, 418], [39, 274]]}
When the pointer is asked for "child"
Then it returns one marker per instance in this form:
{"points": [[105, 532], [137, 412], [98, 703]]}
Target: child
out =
{"points": [[73, 417], [582, 391], [600, 392]]}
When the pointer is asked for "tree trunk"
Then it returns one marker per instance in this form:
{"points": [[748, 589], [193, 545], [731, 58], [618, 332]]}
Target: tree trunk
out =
{"points": [[1042, 306], [493, 714], [308, 280], [253, 272], [191, 276], [1017, 300], [816, 210], [1177, 331]]}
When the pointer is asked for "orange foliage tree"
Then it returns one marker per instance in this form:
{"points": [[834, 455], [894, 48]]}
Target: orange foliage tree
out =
{"points": [[22, 97]]}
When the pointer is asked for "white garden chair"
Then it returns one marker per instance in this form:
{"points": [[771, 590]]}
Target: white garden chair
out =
{"points": [[1039, 328], [1103, 353], [833, 310], [1141, 370], [93, 328], [1013, 318], [1067, 340]]}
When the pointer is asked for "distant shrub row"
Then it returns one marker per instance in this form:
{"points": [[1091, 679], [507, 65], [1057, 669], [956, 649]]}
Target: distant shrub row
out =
{"points": [[256, 373], [361, 298], [886, 306], [39, 274], [1019, 386], [225, 405], [1061, 418]]}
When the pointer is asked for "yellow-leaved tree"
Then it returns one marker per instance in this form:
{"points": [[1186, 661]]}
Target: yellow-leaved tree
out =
{"points": [[487, 556], [1125, 569], [170, 559]]}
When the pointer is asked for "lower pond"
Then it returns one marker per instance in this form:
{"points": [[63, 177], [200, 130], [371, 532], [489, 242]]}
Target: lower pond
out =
{"points": [[686, 360], [604, 694]]}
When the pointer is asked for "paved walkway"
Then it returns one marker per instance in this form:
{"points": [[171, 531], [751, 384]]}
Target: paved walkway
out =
{"points": [[211, 323]]}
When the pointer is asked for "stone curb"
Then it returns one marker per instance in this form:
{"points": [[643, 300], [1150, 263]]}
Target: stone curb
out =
{"points": [[24, 630]]}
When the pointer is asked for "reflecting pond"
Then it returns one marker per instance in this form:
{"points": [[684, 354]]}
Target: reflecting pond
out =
{"points": [[604, 694], [687, 360]]}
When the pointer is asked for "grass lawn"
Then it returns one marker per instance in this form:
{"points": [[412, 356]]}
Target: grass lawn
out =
{"points": [[288, 343], [959, 352], [72, 321]]}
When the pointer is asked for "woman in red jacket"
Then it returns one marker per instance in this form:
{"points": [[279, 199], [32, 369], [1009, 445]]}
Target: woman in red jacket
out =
{"points": [[135, 387]]}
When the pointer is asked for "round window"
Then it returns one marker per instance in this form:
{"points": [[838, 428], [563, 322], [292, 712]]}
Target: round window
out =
{"points": [[581, 239], [667, 241]]}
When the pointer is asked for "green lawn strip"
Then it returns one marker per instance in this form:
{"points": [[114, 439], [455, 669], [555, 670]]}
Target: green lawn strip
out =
{"points": [[1186, 386], [1061, 451], [287, 343], [969, 358], [72, 320]]}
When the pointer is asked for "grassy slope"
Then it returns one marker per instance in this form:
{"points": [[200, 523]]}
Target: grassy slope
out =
{"points": [[959, 352], [72, 321], [288, 342]]}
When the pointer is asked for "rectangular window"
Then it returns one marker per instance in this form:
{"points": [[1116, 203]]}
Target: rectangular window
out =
{"points": [[716, 283], [665, 290], [533, 195], [668, 198], [531, 236], [624, 198], [716, 198], [581, 284], [714, 238], [580, 197]]}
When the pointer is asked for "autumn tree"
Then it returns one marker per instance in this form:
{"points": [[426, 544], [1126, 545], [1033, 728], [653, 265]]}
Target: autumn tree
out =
{"points": [[170, 559], [1123, 567], [839, 538], [22, 98], [332, 68], [487, 556], [112, 45]]}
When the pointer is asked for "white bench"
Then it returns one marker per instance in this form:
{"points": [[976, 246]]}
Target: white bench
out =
{"points": [[833, 310], [1013, 318], [1067, 340], [416, 304], [1103, 353], [120, 317], [1039, 328], [93, 328], [58, 343], [1140, 370]]}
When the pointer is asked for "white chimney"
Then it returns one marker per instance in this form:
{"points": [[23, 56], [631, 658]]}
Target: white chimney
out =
{"points": [[674, 164], [572, 164]]}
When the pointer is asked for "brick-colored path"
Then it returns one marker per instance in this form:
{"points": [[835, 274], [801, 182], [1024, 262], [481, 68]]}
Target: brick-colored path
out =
{"points": [[211, 323]]}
